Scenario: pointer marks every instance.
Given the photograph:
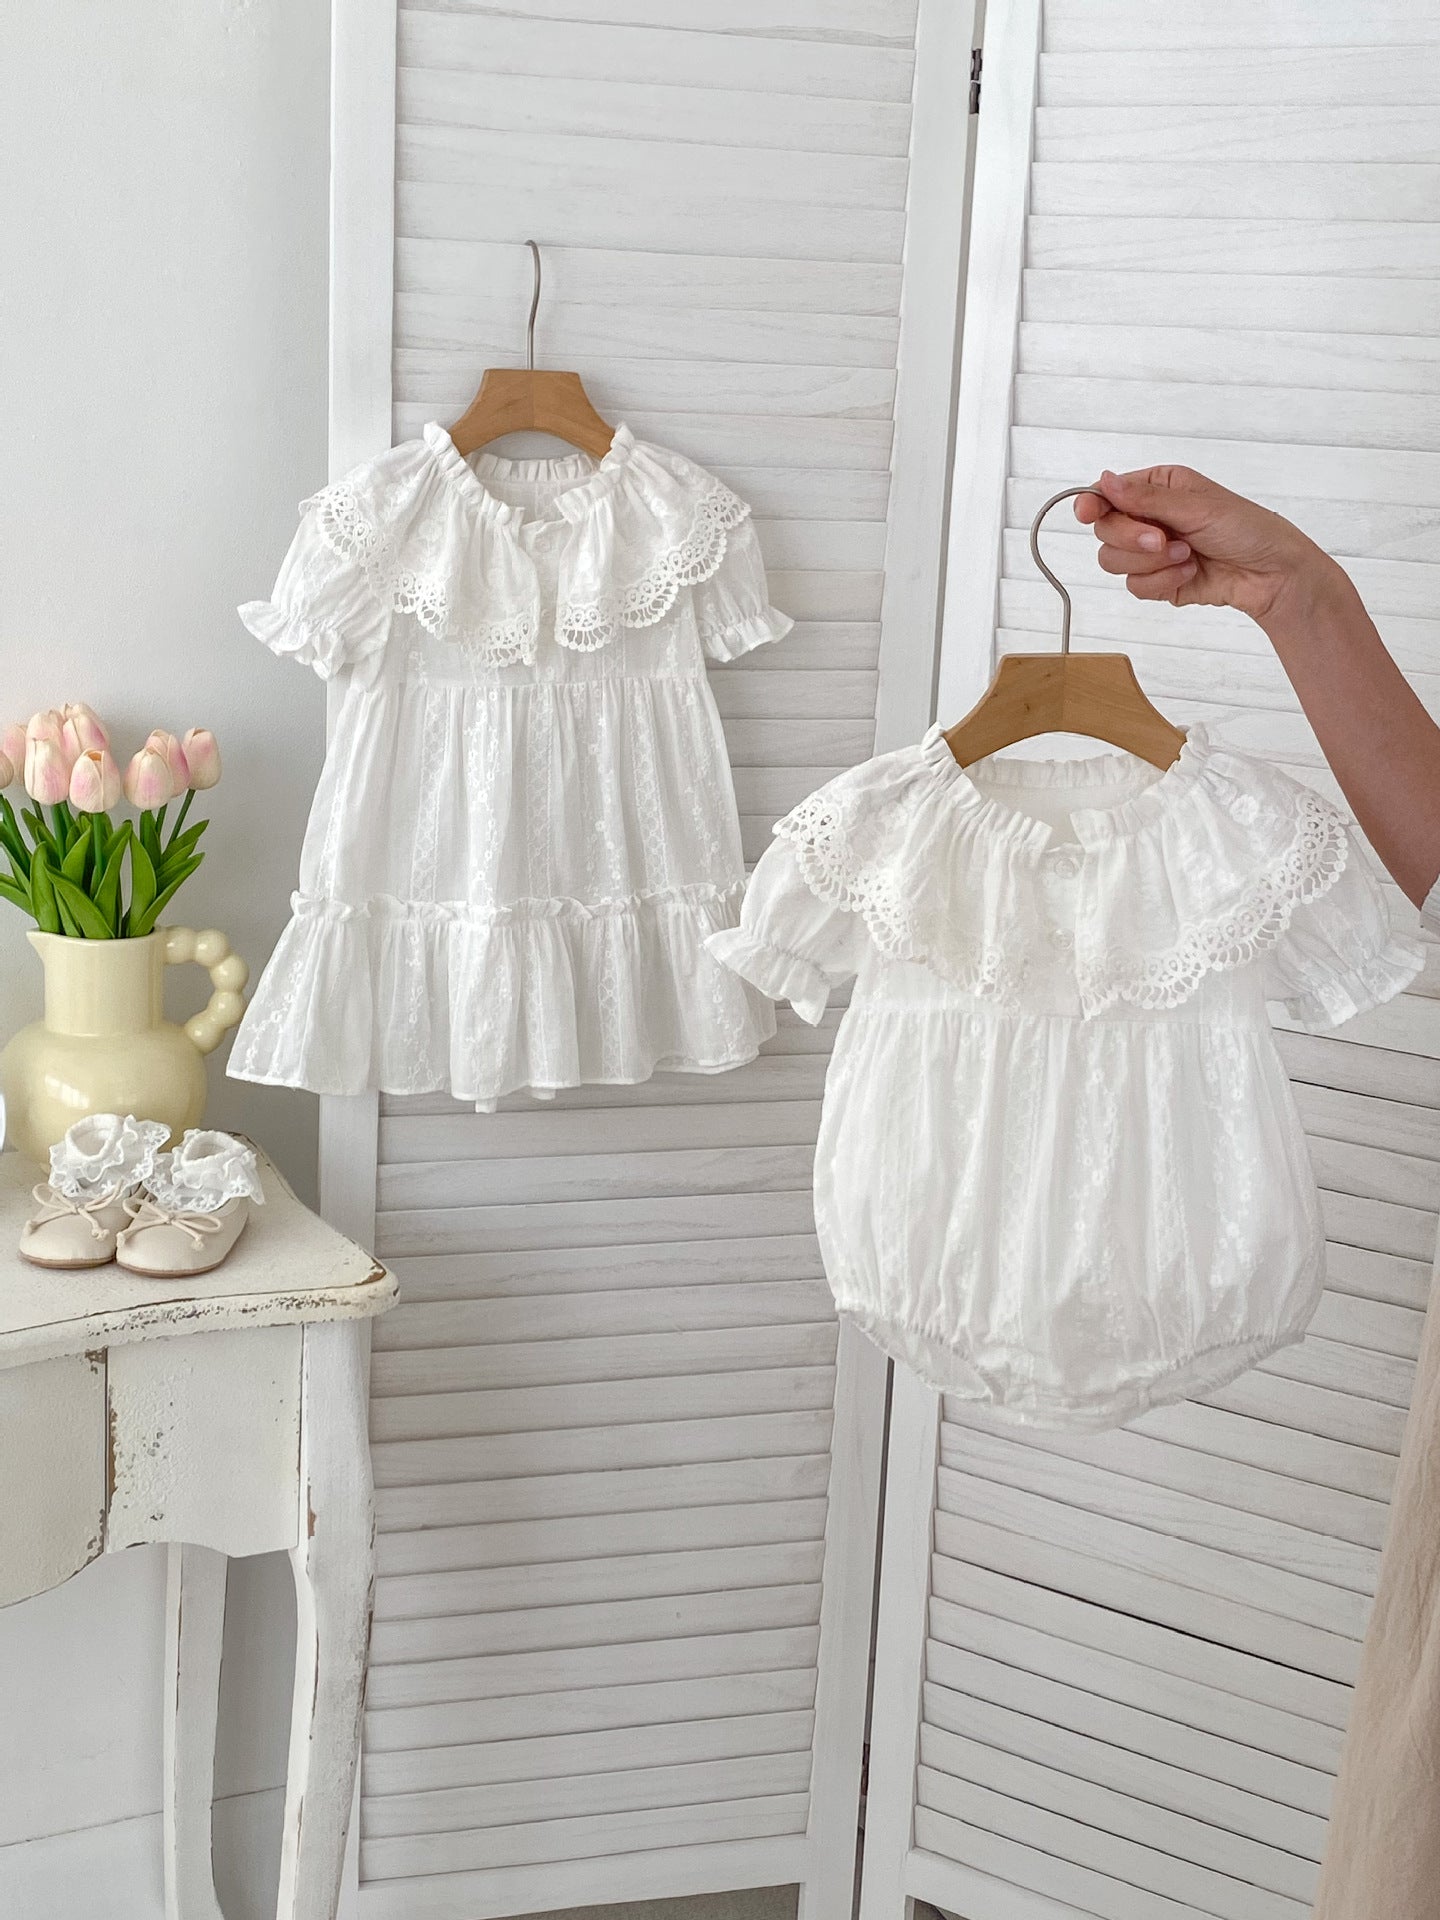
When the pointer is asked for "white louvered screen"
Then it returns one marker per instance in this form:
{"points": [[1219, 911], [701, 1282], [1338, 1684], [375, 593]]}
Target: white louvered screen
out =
{"points": [[1114, 1672], [624, 1589]]}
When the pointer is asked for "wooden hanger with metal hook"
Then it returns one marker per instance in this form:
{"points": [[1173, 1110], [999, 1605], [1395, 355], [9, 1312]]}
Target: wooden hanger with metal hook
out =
{"points": [[514, 399], [1090, 693]]}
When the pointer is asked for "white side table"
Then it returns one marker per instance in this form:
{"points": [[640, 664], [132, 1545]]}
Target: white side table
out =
{"points": [[224, 1415]]}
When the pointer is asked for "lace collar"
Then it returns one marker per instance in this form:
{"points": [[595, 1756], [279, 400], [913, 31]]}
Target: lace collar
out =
{"points": [[434, 541], [1197, 870]]}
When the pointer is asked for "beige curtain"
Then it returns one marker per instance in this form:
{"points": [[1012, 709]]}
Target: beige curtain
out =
{"points": [[1382, 1855]]}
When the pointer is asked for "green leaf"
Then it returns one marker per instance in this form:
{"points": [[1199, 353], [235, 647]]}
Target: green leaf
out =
{"points": [[39, 832], [143, 923], [68, 923], [107, 893], [150, 838], [100, 831], [19, 877], [143, 883], [64, 826], [11, 837], [181, 847], [42, 893], [74, 905], [18, 896], [73, 865]]}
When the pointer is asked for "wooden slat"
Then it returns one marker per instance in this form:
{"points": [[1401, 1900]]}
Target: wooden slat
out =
{"points": [[534, 1842], [625, 1790], [532, 1629], [967, 1692], [540, 1757]]}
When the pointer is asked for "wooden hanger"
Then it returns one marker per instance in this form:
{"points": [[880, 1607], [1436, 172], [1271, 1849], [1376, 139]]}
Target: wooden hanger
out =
{"points": [[1091, 693], [511, 399]]}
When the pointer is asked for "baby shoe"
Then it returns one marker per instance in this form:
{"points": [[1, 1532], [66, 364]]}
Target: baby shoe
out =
{"points": [[80, 1211], [193, 1208]]}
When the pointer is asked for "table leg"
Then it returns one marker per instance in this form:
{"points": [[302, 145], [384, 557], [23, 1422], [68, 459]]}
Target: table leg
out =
{"points": [[334, 1574], [194, 1632]]}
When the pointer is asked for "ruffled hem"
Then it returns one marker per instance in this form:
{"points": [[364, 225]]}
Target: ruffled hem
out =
{"points": [[728, 643], [778, 975], [543, 995], [293, 637]]}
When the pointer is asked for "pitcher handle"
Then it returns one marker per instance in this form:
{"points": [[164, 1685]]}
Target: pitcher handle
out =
{"points": [[228, 973]]}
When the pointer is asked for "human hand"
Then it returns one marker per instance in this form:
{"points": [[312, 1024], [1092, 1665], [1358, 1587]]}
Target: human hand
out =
{"points": [[1176, 536]]}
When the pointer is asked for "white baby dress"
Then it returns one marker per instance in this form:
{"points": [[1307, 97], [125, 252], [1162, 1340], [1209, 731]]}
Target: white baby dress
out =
{"points": [[1059, 1167], [526, 824]]}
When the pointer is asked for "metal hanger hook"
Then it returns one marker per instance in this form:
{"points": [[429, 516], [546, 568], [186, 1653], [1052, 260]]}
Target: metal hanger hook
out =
{"points": [[534, 309], [1068, 493]]}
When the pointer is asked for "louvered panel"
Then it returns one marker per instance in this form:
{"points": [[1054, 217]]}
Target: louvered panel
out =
{"points": [[611, 1555], [1131, 1653]]}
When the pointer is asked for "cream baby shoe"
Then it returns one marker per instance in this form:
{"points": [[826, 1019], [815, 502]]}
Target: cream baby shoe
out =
{"points": [[193, 1208], [80, 1211]]}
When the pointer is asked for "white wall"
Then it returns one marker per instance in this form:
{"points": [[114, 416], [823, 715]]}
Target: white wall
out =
{"points": [[162, 387]]}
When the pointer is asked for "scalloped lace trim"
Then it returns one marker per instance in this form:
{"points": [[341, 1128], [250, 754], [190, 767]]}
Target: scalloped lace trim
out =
{"points": [[1307, 868], [841, 860], [583, 627], [823, 833], [348, 530]]}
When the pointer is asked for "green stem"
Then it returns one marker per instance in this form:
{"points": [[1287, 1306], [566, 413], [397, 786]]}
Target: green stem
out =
{"points": [[180, 818]]}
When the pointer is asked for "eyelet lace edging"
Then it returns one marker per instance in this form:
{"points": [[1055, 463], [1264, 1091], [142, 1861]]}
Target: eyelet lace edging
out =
{"points": [[848, 860], [586, 626], [1307, 868]]}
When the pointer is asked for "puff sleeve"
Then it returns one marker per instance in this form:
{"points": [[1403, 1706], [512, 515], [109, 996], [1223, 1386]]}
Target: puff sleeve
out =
{"points": [[789, 943], [323, 611], [732, 607], [1339, 954]]}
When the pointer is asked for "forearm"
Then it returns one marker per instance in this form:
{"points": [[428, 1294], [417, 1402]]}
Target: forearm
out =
{"points": [[1382, 745]]}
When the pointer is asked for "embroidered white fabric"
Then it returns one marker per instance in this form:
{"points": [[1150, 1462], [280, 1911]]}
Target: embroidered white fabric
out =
{"points": [[526, 825], [1059, 1168], [105, 1151], [204, 1171]]}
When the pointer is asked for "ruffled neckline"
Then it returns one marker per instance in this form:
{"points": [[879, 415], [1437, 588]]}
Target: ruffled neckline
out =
{"points": [[584, 481], [1156, 789], [1197, 872], [434, 541]]}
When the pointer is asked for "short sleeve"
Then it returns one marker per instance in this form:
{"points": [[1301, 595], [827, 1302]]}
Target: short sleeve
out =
{"points": [[790, 944], [323, 611], [1339, 955], [733, 607]]}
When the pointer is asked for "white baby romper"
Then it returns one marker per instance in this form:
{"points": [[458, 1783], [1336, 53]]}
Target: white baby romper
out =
{"points": [[526, 824], [1059, 1166]]}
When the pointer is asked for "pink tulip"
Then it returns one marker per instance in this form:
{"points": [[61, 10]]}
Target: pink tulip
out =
{"points": [[148, 780], [84, 730], [47, 772], [173, 754], [12, 745], [202, 756], [95, 783], [7, 770], [48, 726]]}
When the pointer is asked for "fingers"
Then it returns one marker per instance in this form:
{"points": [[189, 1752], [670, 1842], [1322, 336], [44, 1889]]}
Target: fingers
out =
{"points": [[1177, 497], [1166, 583], [1155, 556]]}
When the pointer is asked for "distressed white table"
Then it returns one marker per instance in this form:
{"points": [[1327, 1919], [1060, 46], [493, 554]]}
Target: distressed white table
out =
{"points": [[224, 1415]]}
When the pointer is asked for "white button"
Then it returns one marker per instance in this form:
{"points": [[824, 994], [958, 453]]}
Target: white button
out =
{"points": [[1066, 865], [1061, 937]]}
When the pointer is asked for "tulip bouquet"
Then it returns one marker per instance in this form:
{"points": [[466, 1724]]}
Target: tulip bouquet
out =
{"points": [[69, 872]]}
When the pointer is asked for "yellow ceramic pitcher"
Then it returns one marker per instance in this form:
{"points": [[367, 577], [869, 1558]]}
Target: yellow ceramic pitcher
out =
{"points": [[105, 1046]]}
